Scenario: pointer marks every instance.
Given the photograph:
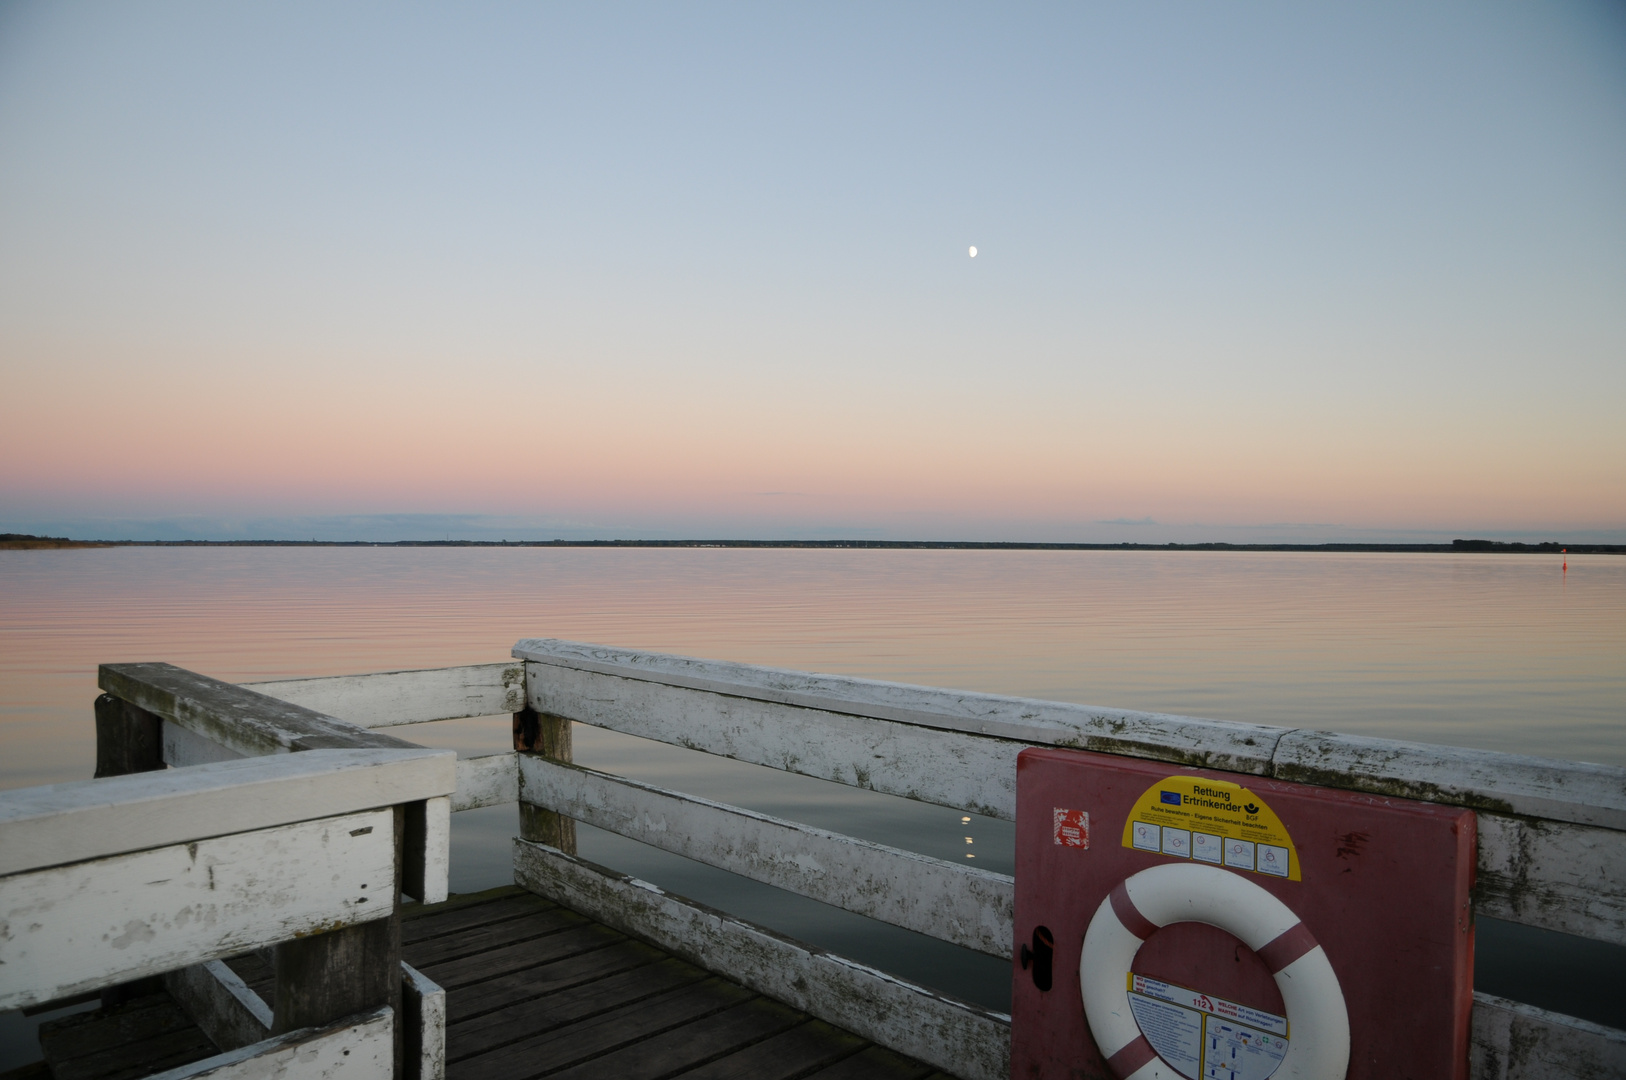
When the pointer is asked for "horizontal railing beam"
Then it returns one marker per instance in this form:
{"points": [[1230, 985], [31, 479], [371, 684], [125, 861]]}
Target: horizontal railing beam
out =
{"points": [[584, 682], [71, 822], [390, 698], [1513, 1041], [1572, 791], [1214, 744], [358, 1047], [489, 780], [959, 904], [239, 719], [1554, 875], [180, 747], [206, 719], [90, 925], [952, 1035], [949, 768]]}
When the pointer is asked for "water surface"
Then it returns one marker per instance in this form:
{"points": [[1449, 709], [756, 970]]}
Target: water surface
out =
{"points": [[1501, 652], [1495, 651]]}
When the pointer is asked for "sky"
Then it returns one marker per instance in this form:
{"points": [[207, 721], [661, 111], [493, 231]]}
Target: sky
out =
{"points": [[1244, 272]]}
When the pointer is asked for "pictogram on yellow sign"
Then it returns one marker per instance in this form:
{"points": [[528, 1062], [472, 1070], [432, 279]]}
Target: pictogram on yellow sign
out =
{"points": [[1212, 821]]}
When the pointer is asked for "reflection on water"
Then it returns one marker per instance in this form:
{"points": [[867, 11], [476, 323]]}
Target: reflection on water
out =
{"points": [[1497, 651], [1502, 652]]}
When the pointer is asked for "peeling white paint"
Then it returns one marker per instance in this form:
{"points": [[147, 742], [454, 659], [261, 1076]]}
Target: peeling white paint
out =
{"points": [[391, 698], [1514, 1041], [356, 1048], [157, 911], [944, 900]]}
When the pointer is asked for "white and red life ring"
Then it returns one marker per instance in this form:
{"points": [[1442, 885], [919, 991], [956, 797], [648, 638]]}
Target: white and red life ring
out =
{"points": [[1318, 1044]]}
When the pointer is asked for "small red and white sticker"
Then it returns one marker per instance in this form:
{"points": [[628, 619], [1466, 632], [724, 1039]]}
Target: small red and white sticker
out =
{"points": [[1072, 827]]}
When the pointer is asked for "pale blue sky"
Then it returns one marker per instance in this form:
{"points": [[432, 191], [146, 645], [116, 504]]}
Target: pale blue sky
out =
{"points": [[626, 269]]}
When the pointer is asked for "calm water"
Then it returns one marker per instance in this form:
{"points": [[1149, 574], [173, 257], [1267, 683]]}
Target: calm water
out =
{"points": [[1502, 652]]}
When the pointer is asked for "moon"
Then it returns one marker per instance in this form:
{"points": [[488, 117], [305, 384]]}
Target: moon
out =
{"points": [[973, 252]]}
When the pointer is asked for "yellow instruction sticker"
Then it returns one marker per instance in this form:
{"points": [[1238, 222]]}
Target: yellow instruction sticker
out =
{"points": [[1212, 821]]}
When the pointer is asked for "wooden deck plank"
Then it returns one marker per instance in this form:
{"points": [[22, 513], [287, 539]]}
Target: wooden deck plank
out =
{"points": [[691, 1044], [540, 1014], [579, 939], [131, 1040], [89, 1032], [143, 1058], [412, 909], [532, 990], [475, 999], [589, 1040], [589, 1014], [478, 939], [785, 1056], [430, 924], [875, 1063]]}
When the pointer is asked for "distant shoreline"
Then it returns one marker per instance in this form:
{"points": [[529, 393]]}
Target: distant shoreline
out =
{"points": [[25, 542]]}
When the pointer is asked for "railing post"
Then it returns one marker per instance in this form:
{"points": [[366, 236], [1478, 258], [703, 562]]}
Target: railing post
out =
{"points": [[549, 737], [423, 867], [128, 739], [326, 977]]}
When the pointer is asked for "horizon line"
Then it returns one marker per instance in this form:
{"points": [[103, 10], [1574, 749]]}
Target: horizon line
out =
{"points": [[29, 541]]}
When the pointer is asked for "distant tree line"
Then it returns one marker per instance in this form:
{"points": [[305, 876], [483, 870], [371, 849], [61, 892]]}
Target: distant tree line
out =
{"points": [[26, 540]]}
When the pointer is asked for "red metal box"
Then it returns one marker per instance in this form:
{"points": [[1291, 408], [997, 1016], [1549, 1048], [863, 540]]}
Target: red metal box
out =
{"points": [[1234, 927]]}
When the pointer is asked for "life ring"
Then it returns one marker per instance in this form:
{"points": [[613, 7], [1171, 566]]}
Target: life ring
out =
{"points": [[1318, 1043]]}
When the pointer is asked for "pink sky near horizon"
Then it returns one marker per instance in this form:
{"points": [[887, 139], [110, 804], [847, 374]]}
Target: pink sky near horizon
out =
{"points": [[671, 457]]}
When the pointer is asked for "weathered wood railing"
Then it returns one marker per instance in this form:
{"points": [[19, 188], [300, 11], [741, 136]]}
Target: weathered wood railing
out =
{"points": [[160, 874], [157, 717], [1552, 835]]}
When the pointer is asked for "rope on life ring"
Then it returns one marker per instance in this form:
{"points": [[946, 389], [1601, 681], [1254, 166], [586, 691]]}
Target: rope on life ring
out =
{"points": [[1318, 1043]]}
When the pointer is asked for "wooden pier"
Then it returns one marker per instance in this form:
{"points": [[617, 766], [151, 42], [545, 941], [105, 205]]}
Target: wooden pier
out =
{"points": [[230, 885], [532, 990]]}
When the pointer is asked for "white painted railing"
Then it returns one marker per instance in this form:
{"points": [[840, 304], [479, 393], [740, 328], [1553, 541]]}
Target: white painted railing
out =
{"points": [[157, 715], [160, 725], [1552, 835], [164, 873]]}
